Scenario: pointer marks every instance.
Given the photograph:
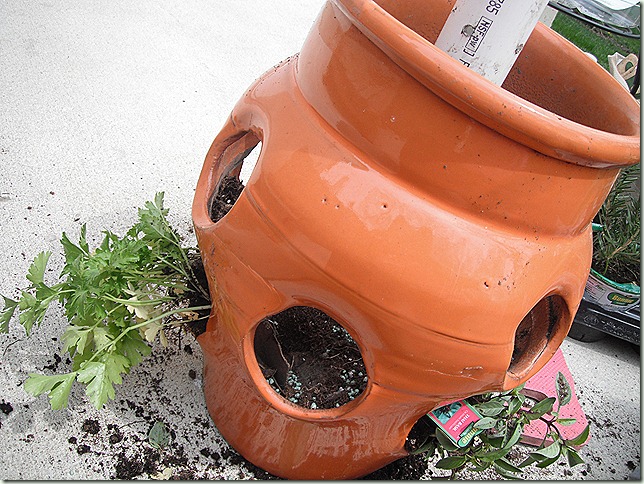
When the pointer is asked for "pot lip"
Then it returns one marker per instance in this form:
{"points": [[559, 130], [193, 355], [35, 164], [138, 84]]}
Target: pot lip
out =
{"points": [[494, 106], [633, 289]]}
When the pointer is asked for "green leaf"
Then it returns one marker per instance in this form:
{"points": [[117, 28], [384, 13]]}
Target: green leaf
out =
{"points": [[485, 423], [566, 421], [452, 462], [36, 272], [58, 387], [32, 311], [531, 459], [82, 241], [547, 462], [75, 339], [541, 408], [102, 336], [101, 376], [508, 466], [494, 441], [504, 470], [7, 313], [59, 395], [573, 457], [158, 200], [159, 437], [134, 348], [73, 253], [445, 441], [492, 455], [516, 391], [551, 451], [429, 446], [514, 438], [564, 393], [514, 405], [491, 408], [580, 439]]}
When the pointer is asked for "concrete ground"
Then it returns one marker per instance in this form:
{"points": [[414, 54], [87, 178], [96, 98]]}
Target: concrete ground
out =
{"points": [[104, 103]]}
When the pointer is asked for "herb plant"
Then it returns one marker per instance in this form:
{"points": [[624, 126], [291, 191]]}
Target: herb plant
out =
{"points": [[617, 242], [504, 417], [117, 298]]}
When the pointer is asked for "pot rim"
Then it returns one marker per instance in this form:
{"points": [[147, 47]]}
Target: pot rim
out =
{"points": [[494, 106]]}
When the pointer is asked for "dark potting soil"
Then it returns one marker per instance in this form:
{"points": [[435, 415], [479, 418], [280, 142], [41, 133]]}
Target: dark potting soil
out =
{"points": [[229, 191], [309, 359], [619, 273], [198, 326]]}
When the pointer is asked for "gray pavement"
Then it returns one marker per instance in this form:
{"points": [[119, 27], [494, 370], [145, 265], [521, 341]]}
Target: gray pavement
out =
{"points": [[104, 103]]}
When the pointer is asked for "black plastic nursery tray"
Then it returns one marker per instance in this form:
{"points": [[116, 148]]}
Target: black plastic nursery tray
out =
{"points": [[592, 322]]}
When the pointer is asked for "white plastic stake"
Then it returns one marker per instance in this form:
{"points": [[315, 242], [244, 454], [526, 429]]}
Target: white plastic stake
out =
{"points": [[488, 35]]}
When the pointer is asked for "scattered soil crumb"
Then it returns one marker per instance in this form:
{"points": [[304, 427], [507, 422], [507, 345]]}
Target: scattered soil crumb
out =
{"points": [[91, 426], [6, 407], [83, 449]]}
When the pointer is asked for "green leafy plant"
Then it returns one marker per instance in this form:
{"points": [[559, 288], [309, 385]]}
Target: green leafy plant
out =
{"points": [[117, 298], [504, 417], [617, 241]]}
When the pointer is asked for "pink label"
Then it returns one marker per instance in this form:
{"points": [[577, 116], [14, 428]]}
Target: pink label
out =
{"points": [[455, 418]]}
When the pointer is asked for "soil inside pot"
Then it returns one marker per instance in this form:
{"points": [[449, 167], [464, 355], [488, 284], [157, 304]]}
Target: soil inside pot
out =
{"points": [[229, 191], [309, 359]]}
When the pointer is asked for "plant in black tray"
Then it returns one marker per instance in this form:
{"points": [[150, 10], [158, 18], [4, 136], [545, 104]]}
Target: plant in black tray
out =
{"points": [[615, 274]]}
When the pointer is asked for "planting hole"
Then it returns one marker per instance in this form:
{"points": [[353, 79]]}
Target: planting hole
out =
{"points": [[535, 331], [240, 158], [309, 358]]}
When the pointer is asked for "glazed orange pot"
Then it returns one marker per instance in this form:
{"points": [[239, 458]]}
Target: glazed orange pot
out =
{"points": [[443, 221]]}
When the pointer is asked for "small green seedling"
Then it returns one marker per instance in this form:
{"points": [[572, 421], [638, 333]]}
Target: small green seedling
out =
{"points": [[159, 437]]}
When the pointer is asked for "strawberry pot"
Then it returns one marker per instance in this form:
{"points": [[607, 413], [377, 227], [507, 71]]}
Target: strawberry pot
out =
{"points": [[442, 221]]}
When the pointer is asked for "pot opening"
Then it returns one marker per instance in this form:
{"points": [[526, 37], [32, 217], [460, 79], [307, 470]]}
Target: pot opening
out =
{"points": [[309, 358], [535, 331], [241, 156]]}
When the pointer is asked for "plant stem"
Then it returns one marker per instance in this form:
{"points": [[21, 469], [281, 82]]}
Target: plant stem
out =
{"points": [[125, 331]]}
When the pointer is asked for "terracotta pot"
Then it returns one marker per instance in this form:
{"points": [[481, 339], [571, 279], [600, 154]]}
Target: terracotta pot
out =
{"points": [[444, 221]]}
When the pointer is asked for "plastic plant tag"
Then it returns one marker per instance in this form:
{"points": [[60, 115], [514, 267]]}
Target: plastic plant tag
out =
{"points": [[457, 421], [611, 295]]}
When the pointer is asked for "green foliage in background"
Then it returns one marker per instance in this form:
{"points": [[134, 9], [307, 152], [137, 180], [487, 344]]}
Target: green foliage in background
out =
{"points": [[592, 39], [617, 245]]}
